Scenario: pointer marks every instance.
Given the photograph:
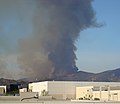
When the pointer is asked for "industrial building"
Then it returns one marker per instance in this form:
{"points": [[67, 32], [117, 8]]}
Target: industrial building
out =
{"points": [[2, 89], [105, 93], [22, 90], [76, 90]]}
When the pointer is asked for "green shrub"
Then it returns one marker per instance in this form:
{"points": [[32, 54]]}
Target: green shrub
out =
{"points": [[86, 98], [80, 98], [96, 99]]}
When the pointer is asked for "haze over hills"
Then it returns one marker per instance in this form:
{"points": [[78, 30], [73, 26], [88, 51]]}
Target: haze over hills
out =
{"points": [[111, 75], [106, 76]]}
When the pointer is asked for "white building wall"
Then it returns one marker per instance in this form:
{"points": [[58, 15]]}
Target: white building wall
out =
{"points": [[110, 95], [38, 87], [61, 88], [84, 92], [23, 90], [113, 95], [4, 88], [64, 89]]}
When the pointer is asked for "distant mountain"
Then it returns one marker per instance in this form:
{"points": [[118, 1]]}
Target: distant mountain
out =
{"points": [[11, 81], [79, 76], [7, 81], [106, 76]]}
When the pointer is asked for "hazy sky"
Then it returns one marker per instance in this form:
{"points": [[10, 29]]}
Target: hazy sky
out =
{"points": [[99, 48]]}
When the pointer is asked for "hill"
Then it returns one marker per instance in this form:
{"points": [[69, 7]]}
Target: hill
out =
{"points": [[11, 81], [106, 76]]}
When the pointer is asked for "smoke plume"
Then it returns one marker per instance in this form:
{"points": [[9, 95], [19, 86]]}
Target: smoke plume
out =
{"points": [[47, 31], [50, 51]]}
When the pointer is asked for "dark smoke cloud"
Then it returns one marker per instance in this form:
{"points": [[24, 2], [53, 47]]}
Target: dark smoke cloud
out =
{"points": [[50, 51], [49, 30]]}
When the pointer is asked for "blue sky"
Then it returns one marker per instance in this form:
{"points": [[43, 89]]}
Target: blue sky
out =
{"points": [[99, 48]]}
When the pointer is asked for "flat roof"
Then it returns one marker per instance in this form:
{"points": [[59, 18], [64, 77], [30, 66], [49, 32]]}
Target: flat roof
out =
{"points": [[83, 83]]}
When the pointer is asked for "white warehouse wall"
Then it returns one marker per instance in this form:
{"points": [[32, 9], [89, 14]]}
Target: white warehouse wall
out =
{"points": [[64, 89], [38, 87], [4, 88]]}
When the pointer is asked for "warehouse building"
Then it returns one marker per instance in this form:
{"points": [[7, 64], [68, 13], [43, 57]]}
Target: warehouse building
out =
{"points": [[72, 89], [2, 90], [105, 93]]}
